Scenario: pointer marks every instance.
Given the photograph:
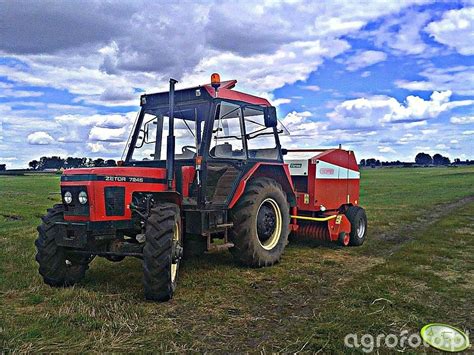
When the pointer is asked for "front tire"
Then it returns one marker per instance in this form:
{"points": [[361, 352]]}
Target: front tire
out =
{"points": [[356, 215], [162, 252], [57, 268], [261, 224]]}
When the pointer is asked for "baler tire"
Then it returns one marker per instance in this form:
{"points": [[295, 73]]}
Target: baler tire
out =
{"points": [[248, 248], [163, 226], [57, 268], [356, 215]]}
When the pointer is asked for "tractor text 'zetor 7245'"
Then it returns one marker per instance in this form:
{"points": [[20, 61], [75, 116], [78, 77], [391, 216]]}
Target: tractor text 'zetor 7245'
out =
{"points": [[204, 171]]}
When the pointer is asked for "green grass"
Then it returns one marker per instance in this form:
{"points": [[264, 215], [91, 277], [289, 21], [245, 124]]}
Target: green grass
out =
{"points": [[416, 267]]}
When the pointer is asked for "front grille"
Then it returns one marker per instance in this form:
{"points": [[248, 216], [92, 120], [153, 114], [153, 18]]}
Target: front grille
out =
{"points": [[114, 201], [75, 208]]}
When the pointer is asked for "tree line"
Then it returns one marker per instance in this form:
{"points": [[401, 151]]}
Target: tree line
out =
{"points": [[56, 162], [421, 158]]}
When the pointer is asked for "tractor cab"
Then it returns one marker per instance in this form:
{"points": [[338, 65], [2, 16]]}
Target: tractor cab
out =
{"points": [[216, 135]]}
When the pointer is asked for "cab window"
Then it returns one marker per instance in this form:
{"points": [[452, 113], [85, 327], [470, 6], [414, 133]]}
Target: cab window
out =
{"points": [[261, 142], [227, 140]]}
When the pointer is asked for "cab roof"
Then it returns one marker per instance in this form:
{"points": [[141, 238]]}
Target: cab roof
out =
{"points": [[206, 92]]}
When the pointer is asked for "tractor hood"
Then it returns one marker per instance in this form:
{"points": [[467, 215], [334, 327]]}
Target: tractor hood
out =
{"points": [[116, 174], [107, 192]]}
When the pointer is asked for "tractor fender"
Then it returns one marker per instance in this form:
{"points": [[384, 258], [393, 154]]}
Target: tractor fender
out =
{"points": [[276, 171]]}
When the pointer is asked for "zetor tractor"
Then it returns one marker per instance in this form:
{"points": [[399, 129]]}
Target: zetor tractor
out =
{"points": [[204, 171]]}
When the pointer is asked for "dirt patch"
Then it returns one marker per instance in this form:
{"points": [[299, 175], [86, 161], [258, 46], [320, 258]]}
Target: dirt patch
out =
{"points": [[406, 233], [11, 217]]}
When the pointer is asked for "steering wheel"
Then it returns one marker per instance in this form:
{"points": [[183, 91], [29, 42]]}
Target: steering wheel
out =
{"points": [[188, 148]]}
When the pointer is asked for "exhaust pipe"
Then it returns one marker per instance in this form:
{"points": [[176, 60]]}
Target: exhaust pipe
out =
{"points": [[170, 140]]}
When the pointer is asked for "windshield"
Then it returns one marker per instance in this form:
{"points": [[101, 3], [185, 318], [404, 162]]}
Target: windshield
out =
{"points": [[152, 139]]}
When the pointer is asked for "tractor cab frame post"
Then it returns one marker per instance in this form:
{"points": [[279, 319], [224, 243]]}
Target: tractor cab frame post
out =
{"points": [[171, 139]]}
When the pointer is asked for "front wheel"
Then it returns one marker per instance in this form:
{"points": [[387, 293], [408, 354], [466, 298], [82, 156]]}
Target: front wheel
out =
{"points": [[261, 224], [162, 252], [57, 267]]}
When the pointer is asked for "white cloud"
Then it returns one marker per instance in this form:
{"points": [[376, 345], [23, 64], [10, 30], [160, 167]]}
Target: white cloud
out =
{"points": [[468, 133], [378, 110], [81, 128], [281, 101], [455, 30], [462, 119], [310, 87], [383, 149], [108, 134], [458, 79], [365, 59], [402, 34], [18, 93], [96, 147], [39, 138], [105, 55]]}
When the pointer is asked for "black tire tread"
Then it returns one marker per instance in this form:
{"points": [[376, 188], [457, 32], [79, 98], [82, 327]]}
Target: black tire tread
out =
{"points": [[246, 249], [51, 257], [157, 252], [353, 214]]}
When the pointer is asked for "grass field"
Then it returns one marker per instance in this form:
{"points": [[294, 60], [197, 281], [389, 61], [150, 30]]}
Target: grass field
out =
{"points": [[415, 268]]}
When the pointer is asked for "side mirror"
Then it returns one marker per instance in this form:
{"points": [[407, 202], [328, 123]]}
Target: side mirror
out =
{"points": [[270, 116]]}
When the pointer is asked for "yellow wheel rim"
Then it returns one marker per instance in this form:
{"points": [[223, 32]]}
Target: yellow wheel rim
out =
{"points": [[272, 220], [174, 266]]}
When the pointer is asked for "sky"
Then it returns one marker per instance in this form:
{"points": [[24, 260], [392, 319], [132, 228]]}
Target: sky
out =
{"points": [[386, 79]]}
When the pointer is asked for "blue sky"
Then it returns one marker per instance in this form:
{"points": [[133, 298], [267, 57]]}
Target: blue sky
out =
{"points": [[386, 79]]}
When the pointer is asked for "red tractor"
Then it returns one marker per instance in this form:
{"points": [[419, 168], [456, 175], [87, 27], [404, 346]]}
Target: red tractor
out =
{"points": [[204, 171]]}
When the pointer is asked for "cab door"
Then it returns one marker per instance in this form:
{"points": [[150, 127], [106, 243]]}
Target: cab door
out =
{"points": [[227, 154]]}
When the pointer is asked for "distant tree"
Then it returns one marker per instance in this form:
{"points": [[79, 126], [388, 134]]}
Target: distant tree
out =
{"points": [[446, 161], [51, 163], [33, 164], [370, 162], [99, 162], [110, 162], [362, 162], [437, 159], [423, 159], [378, 163], [89, 163], [457, 161], [72, 162], [3, 167]]}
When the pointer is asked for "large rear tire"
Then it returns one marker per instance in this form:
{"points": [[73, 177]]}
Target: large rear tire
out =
{"points": [[356, 215], [261, 224], [162, 252], [56, 266]]}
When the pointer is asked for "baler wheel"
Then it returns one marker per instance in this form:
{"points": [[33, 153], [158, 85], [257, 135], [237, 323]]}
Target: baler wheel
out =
{"points": [[356, 215], [57, 268], [162, 252], [261, 221]]}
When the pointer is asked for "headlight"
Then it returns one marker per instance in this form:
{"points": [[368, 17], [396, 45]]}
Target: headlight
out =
{"points": [[82, 197], [67, 197]]}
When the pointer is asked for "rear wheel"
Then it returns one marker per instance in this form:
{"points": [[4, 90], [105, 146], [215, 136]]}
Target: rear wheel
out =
{"points": [[356, 215], [162, 252], [57, 267], [261, 224]]}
